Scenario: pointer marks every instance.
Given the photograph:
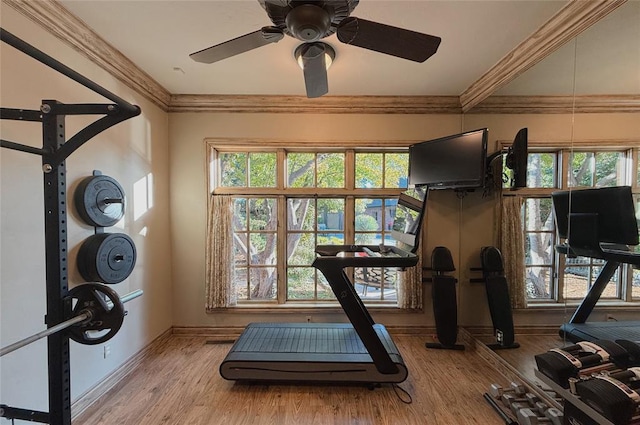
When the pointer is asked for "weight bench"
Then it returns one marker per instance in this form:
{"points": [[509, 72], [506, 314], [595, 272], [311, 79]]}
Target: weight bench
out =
{"points": [[498, 298], [445, 303]]}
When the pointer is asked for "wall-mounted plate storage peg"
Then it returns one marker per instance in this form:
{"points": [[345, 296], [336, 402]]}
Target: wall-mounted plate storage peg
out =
{"points": [[100, 200], [107, 257]]}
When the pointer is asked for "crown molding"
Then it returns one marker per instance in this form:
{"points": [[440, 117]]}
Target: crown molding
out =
{"points": [[575, 17], [558, 104], [57, 20], [321, 105], [571, 20]]}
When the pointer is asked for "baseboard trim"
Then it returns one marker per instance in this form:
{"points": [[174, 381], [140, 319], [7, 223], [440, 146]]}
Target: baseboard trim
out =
{"points": [[231, 332], [94, 395], [519, 330]]}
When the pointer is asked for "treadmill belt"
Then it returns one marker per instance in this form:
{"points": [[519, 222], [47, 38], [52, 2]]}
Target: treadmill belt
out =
{"points": [[305, 338], [576, 332]]}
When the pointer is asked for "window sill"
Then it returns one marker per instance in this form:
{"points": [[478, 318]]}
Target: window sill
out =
{"points": [[323, 308], [573, 304]]}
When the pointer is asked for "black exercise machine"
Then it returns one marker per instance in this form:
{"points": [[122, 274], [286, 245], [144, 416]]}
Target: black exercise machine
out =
{"points": [[498, 298], [359, 352], [445, 303], [598, 223]]}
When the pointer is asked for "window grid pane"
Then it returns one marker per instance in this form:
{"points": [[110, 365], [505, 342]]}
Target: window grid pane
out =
{"points": [[369, 170], [596, 169], [331, 170], [539, 238], [255, 248], [311, 222], [396, 170], [541, 170], [233, 169], [262, 170]]}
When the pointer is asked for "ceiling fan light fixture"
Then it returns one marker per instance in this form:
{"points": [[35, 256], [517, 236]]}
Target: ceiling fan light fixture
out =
{"points": [[329, 53]]}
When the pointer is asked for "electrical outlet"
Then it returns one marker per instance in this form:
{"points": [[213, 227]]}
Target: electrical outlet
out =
{"points": [[107, 351]]}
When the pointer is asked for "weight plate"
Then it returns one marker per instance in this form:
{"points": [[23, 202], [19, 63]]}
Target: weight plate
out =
{"points": [[105, 309], [100, 201], [107, 257]]}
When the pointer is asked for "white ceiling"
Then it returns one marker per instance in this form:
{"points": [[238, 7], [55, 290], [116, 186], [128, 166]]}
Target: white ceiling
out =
{"points": [[158, 35]]}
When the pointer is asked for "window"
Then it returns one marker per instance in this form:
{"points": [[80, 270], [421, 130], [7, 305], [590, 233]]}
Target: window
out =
{"points": [[550, 276], [287, 201], [540, 260]]}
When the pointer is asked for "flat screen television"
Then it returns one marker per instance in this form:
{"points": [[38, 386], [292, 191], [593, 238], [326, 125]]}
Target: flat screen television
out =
{"points": [[452, 162], [516, 159]]}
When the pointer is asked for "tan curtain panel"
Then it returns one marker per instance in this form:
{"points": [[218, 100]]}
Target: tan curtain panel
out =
{"points": [[512, 248], [410, 285], [219, 252]]}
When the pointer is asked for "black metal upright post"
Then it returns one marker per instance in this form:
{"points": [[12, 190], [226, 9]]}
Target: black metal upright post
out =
{"points": [[55, 150], [55, 211]]}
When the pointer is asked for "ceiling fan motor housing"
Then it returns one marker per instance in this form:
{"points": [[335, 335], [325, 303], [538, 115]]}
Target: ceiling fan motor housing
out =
{"points": [[308, 20]]}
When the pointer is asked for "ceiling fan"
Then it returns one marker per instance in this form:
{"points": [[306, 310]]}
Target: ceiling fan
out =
{"points": [[310, 21]]}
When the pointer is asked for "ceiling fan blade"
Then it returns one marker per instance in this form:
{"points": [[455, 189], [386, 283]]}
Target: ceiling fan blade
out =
{"points": [[238, 45], [315, 69], [399, 42]]}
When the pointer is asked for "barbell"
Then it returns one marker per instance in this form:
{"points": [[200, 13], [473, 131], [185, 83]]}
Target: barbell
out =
{"points": [[95, 308]]}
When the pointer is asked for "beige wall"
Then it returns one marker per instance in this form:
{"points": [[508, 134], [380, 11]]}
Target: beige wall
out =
{"points": [[463, 225], [129, 152]]}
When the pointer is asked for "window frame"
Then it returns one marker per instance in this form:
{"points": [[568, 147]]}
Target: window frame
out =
{"points": [[282, 193], [563, 151]]}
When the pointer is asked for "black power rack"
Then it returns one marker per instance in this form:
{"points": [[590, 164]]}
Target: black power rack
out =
{"points": [[55, 150]]}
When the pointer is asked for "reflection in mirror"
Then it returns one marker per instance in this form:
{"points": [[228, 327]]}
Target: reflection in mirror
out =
{"points": [[408, 217], [592, 144]]}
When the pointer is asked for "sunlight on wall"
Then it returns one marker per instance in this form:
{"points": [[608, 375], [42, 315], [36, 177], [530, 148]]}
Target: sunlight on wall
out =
{"points": [[140, 137], [142, 196]]}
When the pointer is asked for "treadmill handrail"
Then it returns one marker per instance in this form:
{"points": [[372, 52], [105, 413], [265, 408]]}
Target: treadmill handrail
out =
{"points": [[399, 258], [607, 252]]}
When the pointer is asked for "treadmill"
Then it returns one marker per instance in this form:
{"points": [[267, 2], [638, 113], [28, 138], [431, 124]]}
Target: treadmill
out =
{"points": [[358, 352], [598, 223]]}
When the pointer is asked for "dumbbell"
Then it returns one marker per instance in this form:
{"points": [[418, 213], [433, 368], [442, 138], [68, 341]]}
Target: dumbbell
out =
{"points": [[551, 416], [540, 407], [529, 399], [497, 391]]}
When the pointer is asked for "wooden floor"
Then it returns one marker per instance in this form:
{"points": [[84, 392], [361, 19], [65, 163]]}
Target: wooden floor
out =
{"points": [[179, 383]]}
